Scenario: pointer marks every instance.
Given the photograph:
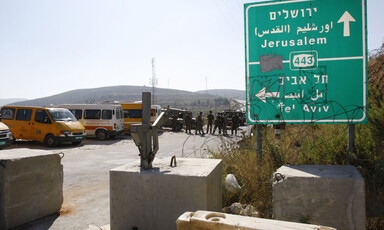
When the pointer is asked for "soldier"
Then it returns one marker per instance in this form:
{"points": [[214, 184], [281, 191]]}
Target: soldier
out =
{"points": [[218, 123], [174, 122], [210, 118], [199, 124], [235, 123], [188, 123], [225, 122]]}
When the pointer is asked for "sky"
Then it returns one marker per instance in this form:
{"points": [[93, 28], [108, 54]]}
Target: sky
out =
{"points": [[53, 46]]}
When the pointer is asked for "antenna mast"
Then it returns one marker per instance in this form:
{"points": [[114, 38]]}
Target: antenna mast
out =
{"points": [[153, 81]]}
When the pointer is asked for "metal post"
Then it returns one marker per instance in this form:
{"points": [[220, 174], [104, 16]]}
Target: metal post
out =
{"points": [[146, 135], [351, 138], [259, 143], [146, 112]]}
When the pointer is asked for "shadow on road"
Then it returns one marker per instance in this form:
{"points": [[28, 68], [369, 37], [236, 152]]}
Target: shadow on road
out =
{"points": [[40, 224], [89, 141]]}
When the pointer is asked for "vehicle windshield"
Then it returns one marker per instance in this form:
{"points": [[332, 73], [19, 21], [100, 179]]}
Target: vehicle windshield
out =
{"points": [[61, 115]]}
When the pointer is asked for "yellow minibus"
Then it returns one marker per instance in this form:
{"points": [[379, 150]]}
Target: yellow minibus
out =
{"points": [[133, 114], [50, 126]]}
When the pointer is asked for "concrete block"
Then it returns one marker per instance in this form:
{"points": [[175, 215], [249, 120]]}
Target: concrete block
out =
{"points": [[154, 199], [328, 195], [205, 220], [220, 221], [31, 186]]}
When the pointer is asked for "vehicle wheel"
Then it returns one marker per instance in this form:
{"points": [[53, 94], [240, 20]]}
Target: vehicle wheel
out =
{"points": [[101, 135], [76, 143], [50, 140]]}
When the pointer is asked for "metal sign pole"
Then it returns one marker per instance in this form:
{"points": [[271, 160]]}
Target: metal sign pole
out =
{"points": [[351, 138], [259, 141]]}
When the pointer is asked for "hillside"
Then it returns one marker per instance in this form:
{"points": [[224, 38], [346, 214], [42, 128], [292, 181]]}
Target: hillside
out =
{"points": [[10, 100], [163, 97], [227, 93]]}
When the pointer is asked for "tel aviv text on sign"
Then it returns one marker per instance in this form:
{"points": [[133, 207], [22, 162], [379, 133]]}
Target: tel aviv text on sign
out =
{"points": [[306, 61]]}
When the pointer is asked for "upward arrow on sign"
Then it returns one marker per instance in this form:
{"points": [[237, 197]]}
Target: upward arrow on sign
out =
{"points": [[346, 19]]}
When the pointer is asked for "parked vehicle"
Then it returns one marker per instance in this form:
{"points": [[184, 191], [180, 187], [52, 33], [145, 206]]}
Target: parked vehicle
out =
{"points": [[103, 121], [6, 137], [133, 114], [240, 114], [50, 126], [180, 113]]}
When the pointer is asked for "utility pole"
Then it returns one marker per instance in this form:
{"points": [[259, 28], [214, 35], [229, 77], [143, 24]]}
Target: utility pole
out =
{"points": [[153, 80]]}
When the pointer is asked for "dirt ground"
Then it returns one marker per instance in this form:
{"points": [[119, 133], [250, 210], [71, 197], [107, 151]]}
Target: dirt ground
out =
{"points": [[86, 173]]}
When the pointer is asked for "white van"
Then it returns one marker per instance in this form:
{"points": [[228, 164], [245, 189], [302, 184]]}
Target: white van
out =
{"points": [[6, 137], [101, 120]]}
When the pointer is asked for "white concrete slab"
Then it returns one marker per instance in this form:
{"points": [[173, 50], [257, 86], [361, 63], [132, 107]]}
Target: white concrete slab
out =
{"points": [[221, 221]]}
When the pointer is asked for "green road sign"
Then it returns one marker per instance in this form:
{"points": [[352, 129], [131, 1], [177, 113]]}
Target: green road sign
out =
{"points": [[306, 61]]}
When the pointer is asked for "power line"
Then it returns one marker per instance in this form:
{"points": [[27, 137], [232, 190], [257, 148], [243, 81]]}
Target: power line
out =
{"points": [[230, 23], [235, 19]]}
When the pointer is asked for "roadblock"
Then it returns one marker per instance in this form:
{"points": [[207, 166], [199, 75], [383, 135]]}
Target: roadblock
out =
{"points": [[31, 186]]}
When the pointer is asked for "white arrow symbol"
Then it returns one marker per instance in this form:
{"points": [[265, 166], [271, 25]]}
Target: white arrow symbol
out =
{"points": [[262, 94], [346, 19]]}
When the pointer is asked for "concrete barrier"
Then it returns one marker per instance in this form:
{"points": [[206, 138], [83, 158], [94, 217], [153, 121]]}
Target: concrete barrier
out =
{"points": [[31, 186], [154, 199], [220, 221], [320, 194]]}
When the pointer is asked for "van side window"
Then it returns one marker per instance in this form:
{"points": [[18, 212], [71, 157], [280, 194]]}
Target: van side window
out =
{"points": [[23, 114], [92, 114], [7, 114], [78, 113], [107, 114], [41, 116], [125, 113], [133, 113]]}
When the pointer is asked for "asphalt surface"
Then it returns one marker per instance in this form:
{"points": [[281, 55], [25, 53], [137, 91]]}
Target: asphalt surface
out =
{"points": [[86, 173]]}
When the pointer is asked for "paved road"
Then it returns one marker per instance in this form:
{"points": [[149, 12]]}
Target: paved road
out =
{"points": [[86, 173]]}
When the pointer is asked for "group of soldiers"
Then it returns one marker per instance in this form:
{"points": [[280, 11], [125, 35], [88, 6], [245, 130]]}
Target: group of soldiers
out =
{"points": [[220, 123]]}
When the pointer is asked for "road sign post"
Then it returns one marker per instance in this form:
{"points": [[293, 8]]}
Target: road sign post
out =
{"points": [[306, 61]]}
